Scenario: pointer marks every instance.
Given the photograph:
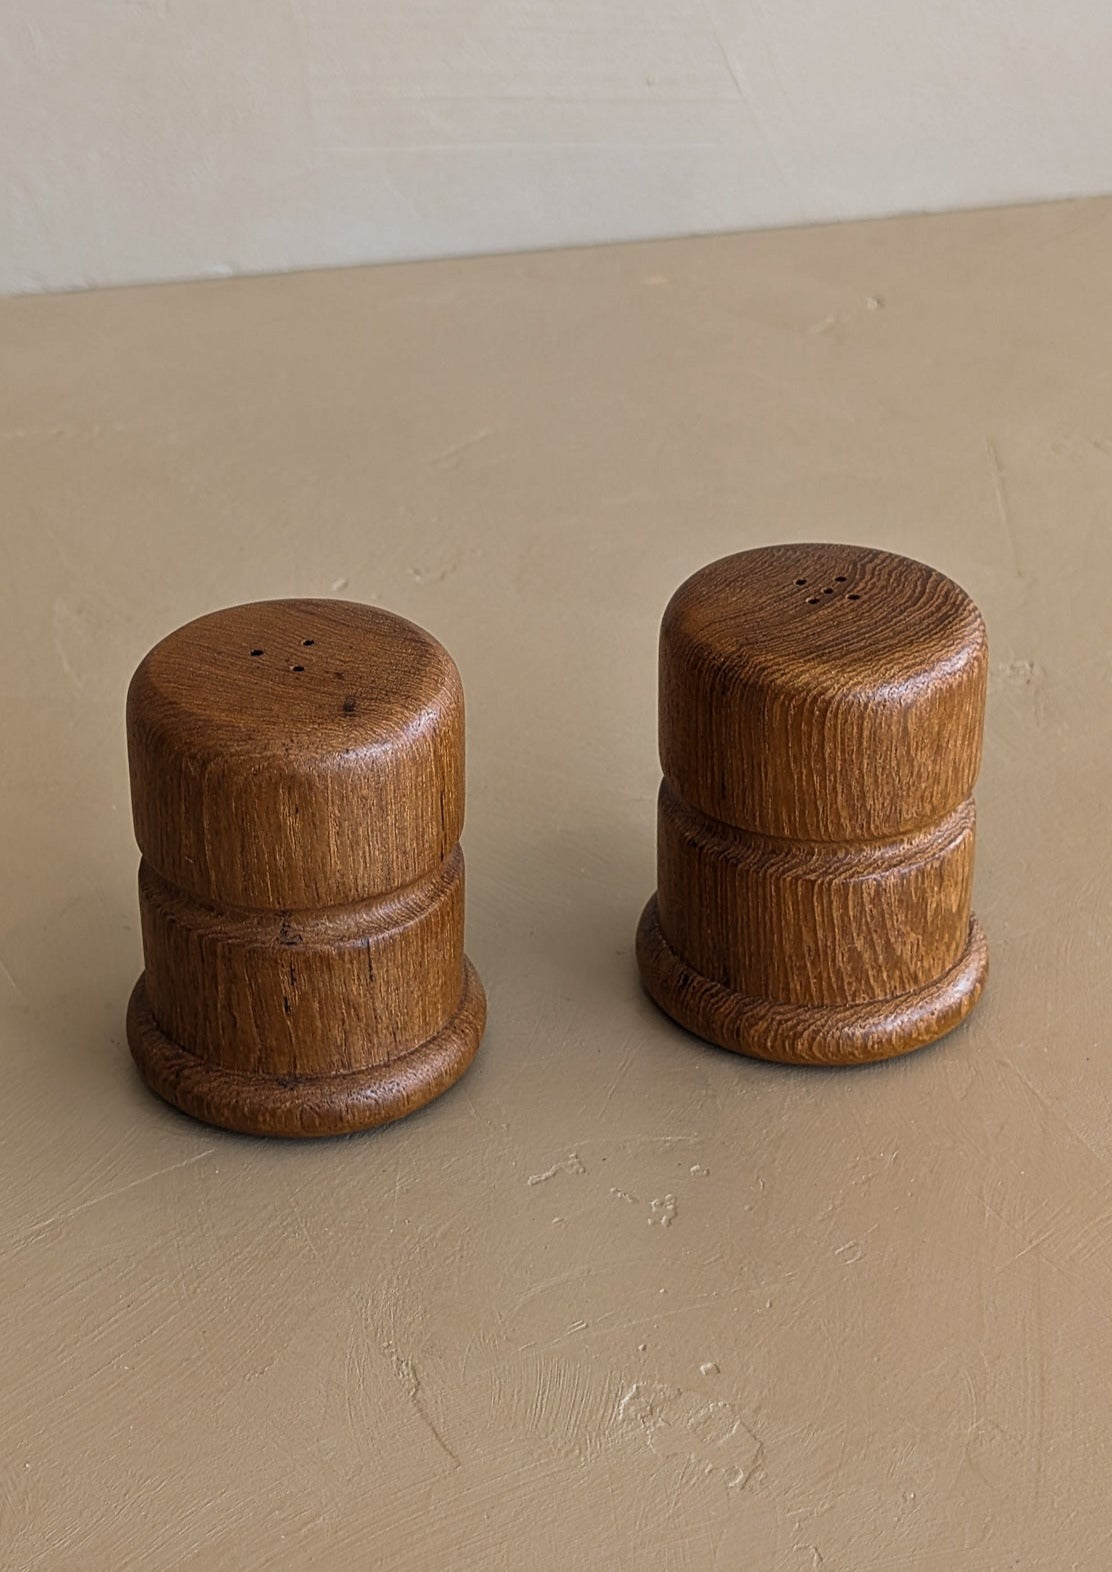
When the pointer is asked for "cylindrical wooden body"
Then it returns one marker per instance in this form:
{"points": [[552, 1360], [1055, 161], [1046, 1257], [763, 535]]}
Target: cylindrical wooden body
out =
{"points": [[297, 790], [821, 714]]}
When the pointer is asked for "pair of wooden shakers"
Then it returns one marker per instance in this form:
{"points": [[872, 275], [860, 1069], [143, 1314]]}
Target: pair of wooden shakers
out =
{"points": [[297, 787]]}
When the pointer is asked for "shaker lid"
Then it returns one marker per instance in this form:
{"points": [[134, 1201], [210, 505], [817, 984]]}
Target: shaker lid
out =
{"points": [[296, 753], [822, 692]]}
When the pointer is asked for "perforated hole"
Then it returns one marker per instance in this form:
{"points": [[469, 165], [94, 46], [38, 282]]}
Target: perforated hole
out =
{"points": [[853, 597], [801, 582], [839, 578], [308, 642], [297, 668], [258, 652]]}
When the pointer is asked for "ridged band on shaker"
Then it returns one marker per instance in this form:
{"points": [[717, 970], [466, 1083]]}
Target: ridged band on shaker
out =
{"points": [[813, 922], [343, 975], [809, 1034]]}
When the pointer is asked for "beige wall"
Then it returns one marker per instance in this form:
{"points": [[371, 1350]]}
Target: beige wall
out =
{"points": [[149, 139]]}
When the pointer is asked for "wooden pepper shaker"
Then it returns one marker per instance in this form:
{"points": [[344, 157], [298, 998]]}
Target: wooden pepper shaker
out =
{"points": [[297, 790], [821, 716]]}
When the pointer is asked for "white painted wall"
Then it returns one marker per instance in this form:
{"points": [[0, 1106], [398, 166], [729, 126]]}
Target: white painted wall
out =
{"points": [[152, 139]]}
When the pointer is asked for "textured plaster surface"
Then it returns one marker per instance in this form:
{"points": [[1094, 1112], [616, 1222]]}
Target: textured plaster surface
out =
{"points": [[618, 1300]]}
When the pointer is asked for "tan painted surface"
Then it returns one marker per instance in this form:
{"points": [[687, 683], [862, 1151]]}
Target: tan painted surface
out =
{"points": [[617, 1301], [155, 139]]}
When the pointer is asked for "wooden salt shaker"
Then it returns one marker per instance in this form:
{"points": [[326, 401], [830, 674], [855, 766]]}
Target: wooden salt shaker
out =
{"points": [[297, 789], [821, 716]]}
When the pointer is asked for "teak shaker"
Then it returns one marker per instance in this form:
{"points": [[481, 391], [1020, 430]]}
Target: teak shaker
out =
{"points": [[297, 791], [821, 715]]}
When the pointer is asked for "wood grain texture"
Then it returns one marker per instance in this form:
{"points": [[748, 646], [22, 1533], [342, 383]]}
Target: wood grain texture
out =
{"points": [[821, 716], [297, 792]]}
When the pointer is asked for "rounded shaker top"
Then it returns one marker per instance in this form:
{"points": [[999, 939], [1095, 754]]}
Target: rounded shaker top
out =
{"points": [[296, 753], [822, 692]]}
